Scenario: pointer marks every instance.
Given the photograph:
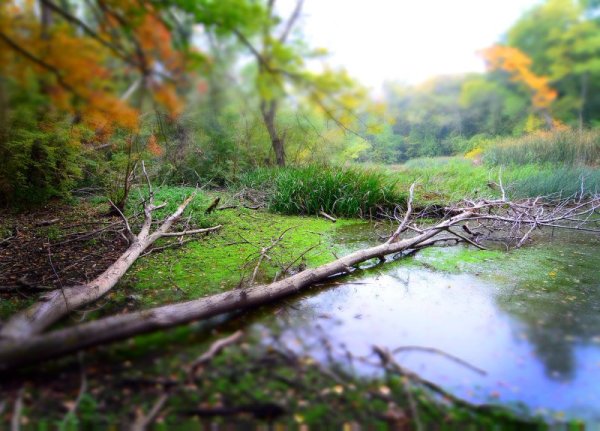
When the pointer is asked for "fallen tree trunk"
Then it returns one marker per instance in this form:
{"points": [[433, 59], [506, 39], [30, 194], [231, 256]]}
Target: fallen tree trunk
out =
{"points": [[60, 302], [36, 348], [521, 218]]}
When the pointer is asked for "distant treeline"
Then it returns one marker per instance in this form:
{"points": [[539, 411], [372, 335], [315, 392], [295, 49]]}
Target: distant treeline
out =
{"points": [[545, 74]]}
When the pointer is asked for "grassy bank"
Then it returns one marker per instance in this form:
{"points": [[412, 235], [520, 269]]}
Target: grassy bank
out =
{"points": [[450, 179], [363, 191], [561, 147]]}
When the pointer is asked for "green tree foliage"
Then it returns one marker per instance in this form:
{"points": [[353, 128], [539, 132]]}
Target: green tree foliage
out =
{"points": [[562, 37], [447, 115], [40, 152], [547, 74]]}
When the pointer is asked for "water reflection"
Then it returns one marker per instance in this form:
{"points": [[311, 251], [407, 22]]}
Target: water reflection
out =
{"points": [[535, 332]]}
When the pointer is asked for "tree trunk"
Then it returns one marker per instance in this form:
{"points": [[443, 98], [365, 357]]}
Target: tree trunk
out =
{"points": [[269, 111], [46, 20], [14, 353], [3, 112]]}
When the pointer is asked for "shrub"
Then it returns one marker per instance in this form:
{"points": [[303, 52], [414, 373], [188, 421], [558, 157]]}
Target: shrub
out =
{"points": [[39, 161]]}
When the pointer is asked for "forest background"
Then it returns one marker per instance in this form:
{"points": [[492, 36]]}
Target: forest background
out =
{"points": [[207, 91]]}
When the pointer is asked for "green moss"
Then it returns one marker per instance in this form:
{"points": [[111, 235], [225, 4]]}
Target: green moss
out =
{"points": [[458, 259], [226, 259], [548, 268]]}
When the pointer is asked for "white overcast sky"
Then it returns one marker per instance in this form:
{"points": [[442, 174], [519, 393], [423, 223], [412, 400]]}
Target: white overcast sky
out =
{"points": [[406, 40]]}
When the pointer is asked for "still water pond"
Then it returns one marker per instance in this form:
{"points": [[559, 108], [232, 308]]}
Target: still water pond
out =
{"points": [[529, 319]]}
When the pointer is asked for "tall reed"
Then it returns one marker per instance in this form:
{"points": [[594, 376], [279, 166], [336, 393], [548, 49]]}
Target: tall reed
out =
{"points": [[565, 147], [340, 191]]}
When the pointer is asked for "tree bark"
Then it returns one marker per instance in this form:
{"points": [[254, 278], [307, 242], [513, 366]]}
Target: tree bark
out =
{"points": [[59, 303], [14, 353], [269, 111], [3, 112], [497, 214]]}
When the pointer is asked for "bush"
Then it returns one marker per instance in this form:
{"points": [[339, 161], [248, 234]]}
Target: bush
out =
{"points": [[349, 192], [39, 161]]}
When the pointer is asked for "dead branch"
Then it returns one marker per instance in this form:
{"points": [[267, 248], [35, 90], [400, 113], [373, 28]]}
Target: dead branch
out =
{"points": [[82, 390], [130, 234], [57, 304], [404, 223], [496, 215], [47, 222], [144, 421], [15, 422], [193, 231], [265, 250], [327, 216], [300, 256], [5, 240], [388, 362], [464, 238], [214, 349], [441, 353]]}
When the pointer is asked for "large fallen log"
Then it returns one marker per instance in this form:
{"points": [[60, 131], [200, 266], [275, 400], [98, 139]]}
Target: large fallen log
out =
{"points": [[55, 305], [521, 218], [59, 342]]}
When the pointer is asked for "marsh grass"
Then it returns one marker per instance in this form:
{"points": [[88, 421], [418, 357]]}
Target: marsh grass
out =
{"points": [[564, 181], [443, 180], [564, 147], [448, 180], [339, 191]]}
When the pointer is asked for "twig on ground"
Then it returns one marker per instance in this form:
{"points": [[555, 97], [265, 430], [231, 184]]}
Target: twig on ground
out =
{"points": [[265, 250], [142, 422], [442, 353], [82, 390], [214, 349], [327, 216], [15, 422]]}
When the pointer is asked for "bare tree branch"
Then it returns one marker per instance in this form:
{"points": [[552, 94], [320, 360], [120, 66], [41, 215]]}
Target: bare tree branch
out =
{"points": [[409, 209], [291, 21]]}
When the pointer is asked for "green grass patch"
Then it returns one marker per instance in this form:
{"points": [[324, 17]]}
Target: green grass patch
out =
{"points": [[457, 259], [563, 180], [339, 191], [444, 180], [450, 179]]}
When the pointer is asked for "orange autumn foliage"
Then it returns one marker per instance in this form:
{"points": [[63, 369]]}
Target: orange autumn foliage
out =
{"points": [[155, 40], [166, 95], [79, 73], [518, 65], [153, 147]]}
